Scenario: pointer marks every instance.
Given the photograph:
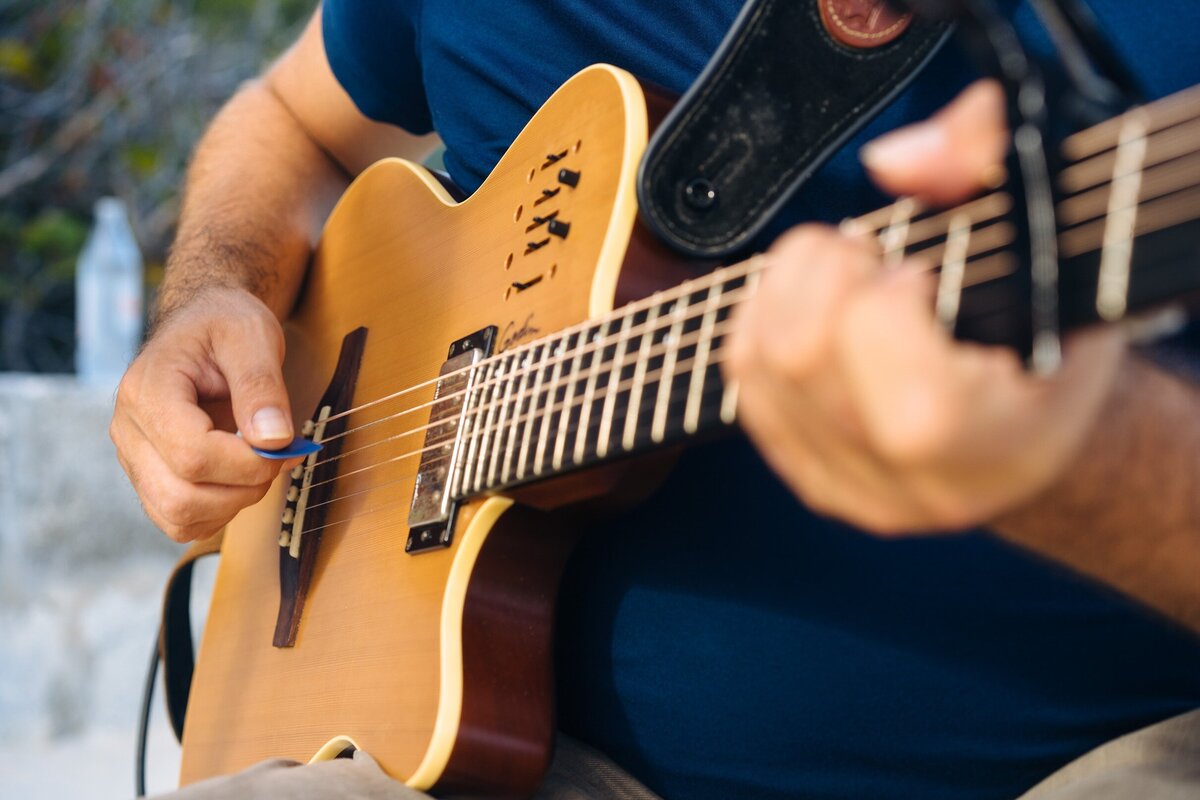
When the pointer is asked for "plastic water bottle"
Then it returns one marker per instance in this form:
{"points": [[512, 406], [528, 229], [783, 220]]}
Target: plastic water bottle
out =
{"points": [[108, 298]]}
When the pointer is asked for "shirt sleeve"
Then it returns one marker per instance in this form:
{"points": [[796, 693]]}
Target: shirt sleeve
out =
{"points": [[373, 49]]}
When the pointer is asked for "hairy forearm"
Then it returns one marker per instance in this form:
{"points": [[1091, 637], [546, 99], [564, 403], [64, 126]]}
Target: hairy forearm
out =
{"points": [[1128, 512], [257, 194]]}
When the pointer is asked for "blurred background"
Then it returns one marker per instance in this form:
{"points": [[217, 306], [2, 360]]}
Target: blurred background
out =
{"points": [[98, 99]]}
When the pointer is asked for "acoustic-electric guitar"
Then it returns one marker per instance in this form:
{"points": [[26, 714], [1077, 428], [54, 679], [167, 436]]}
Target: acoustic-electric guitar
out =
{"points": [[470, 366]]}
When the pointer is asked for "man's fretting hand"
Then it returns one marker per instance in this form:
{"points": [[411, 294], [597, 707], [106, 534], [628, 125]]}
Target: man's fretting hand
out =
{"points": [[863, 404], [213, 367]]}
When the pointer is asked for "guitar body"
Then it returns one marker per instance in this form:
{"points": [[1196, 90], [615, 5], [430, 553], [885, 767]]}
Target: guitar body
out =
{"points": [[437, 663]]}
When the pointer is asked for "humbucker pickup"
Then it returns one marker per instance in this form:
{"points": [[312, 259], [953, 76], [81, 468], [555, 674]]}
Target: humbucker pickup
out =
{"points": [[430, 517]]}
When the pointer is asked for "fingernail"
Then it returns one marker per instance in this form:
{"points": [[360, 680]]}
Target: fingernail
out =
{"points": [[914, 143], [270, 424]]}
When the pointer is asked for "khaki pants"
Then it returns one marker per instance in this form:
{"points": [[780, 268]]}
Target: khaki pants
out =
{"points": [[1161, 762]]}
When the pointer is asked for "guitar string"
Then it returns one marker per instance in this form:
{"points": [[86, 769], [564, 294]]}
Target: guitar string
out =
{"points": [[644, 303], [729, 273], [556, 408], [529, 417], [654, 351], [1157, 181], [522, 367], [854, 225], [1147, 224], [511, 378], [542, 365], [904, 246], [1165, 145], [607, 365], [716, 356], [1183, 106]]}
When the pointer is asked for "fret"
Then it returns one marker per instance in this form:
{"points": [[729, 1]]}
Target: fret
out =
{"points": [[614, 386], [729, 396], [489, 419], [532, 417], [551, 394], [712, 305], [1112, 291], [564, 418], [508, 378], [589, 391], [667, 376], [895, 236], [457, 481], [639, 373], [954, 263], [524, 376], [474, 414]]}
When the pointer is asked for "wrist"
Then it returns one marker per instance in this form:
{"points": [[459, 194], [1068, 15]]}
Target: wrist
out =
{"points": [[214, 296]]}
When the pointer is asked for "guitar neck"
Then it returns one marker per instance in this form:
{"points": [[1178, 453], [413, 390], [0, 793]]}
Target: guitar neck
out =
{"points": [[647, 374]]}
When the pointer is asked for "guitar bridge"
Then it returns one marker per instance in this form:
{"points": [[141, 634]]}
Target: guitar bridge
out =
{"points": [[311, 489]]}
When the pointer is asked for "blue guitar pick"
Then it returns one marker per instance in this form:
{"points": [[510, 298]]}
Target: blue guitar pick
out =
{"points": [[299, 447]]}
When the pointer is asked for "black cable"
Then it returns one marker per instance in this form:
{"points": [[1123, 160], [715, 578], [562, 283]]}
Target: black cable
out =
{"points": [[139, 771]]}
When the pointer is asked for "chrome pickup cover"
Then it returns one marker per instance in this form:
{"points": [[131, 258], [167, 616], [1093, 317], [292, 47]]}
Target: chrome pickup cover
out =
{"points": [[431, 502]]}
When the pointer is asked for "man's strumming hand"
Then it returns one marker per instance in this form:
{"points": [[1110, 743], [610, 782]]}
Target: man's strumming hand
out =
{"points": [[213, 367]]}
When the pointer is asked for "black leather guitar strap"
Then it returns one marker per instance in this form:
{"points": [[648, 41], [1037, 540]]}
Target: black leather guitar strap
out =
{"points": [[790, 83]]}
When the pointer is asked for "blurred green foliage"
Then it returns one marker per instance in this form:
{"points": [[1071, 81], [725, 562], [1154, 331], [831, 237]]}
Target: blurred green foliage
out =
{"points": [[106, 97]]}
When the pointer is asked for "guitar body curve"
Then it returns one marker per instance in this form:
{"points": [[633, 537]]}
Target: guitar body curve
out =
{"points": [[415, 657]]}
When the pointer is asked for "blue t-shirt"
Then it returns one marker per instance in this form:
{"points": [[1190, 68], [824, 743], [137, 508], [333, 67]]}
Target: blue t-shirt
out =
{"points": [[720, 640]]}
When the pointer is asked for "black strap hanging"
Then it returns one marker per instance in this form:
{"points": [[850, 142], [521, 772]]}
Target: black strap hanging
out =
{"points": [[791, 82]]}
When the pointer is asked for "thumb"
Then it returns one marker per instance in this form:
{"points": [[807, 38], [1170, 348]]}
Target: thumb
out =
{"points": [[948, 157], [252, 367]]}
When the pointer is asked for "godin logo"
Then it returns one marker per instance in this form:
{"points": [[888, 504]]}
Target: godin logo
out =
{"points": [[513, 335]]}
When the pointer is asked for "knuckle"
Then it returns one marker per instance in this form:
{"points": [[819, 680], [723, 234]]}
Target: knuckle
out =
{"points": [[259, 492], [190, 465], [261, 323], [178, 509], [175, 533]]}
